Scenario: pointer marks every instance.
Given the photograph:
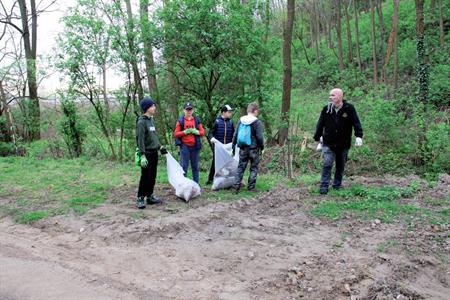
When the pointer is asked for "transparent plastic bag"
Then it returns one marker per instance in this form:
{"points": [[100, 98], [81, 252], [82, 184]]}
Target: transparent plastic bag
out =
{"points": [[185, 188], [225, 165]]}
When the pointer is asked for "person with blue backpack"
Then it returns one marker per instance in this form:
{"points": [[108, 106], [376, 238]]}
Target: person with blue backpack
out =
{"points": [[188, 133], [223, 132], [249, 138]]}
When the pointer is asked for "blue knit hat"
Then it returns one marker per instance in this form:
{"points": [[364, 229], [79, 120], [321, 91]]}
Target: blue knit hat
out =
{"points": [[146, 102]]}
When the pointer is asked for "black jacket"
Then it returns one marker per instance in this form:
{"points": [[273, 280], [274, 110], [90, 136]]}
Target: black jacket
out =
{"points": [[223, 130], [336, 128], [146, 137]]}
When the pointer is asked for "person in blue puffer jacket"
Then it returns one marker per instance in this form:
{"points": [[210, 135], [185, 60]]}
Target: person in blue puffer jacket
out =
{"points": [[222, 131]]}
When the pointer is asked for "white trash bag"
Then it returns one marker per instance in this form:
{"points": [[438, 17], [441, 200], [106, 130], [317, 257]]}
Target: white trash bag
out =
{"points": [[225, 165], [185, 188]]}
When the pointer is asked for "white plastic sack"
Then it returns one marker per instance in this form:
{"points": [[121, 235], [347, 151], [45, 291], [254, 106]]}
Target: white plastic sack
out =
{"points": [[185, 188], [225, 165]]}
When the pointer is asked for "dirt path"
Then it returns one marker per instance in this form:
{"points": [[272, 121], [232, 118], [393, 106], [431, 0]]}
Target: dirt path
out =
{"points": [[264, 248]]}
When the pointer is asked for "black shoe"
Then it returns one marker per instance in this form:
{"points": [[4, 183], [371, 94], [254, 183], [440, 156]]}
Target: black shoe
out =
{"points": [[153, 200], [337, 187], [323, 191], [236, 190], [140, 203], [253, 190]]}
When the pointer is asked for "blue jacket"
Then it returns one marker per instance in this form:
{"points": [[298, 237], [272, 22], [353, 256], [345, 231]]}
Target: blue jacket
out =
{"points": [[223, 130]]}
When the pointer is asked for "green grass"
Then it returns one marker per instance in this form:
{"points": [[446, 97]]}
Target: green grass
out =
{"points": [[32, 188], [376, 202]]}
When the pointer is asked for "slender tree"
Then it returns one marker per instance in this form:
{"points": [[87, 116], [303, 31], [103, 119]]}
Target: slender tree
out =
{"points": [[422, 64], [441, 26], [287, 78], [358, 54], [338, 32], [381, 26], [374, 42], [349, 37], [392, 43]]}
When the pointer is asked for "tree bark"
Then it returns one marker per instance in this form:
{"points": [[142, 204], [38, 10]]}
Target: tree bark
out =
{"points": [[287, 78], [441, 26], [422, 66], [432, 7], [338, 32], [349, 37], [381, 25], [150, 67], [358, 54], [316, 31], [374, 43], [133, 50], [9, 120], [392, 42], [30, 55]]}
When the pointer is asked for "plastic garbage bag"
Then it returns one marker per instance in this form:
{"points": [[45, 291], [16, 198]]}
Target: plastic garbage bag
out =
{"points": [[185, 188], [225, 165]]}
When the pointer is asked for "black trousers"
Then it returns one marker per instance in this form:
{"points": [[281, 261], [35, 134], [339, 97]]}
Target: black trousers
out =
{"points": [[212, 170], [148, 175], [245, 155]]}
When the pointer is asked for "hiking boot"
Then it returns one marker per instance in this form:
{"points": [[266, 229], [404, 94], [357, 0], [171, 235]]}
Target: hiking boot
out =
{"points": [[140, 203], [323, 191], [153, 200]]}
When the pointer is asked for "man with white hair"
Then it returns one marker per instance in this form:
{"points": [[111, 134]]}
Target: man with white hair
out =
{"points": [[334, 132]]}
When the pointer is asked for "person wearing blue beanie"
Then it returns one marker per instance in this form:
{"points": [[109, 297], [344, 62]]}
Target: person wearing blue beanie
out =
{"points": [[148, 146]]}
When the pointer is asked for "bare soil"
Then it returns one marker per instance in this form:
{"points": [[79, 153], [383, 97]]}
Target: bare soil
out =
{"points": [[266, 247]]}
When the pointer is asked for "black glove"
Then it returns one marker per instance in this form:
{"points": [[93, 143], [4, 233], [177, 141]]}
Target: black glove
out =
{"points": [[233, 152], [163, 150]]}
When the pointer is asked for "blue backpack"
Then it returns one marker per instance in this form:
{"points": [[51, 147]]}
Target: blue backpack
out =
{"points": [[244, 136]]}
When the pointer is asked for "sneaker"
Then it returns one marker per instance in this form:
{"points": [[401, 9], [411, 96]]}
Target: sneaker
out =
{"points": [[323, 191], [153, 200], [140, 203]]}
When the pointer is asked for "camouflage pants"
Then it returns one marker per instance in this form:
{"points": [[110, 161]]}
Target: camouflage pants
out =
{"points": [[246, 155]]}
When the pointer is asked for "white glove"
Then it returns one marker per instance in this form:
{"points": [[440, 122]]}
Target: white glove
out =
{"points": [[320, 144], [213, 140], [358, 142]]}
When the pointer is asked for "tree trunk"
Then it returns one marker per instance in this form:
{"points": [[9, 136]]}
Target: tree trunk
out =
{"points": [[30, 55], [133, 50], [317, 31], [422, 66], [9, 120], [349, 37], [441, 26], [358, 54], [287, 78], [392, 40], [374, 43], [338, 32], [150, 68], [381, 25], [432, 7], [105, 92]]}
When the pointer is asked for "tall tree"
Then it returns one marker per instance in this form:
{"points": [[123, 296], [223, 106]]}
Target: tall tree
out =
{"points": [[374, 42], [349, 36], [381, 25], [358, 54], [338, 32], [30, 45], [150, 65], [287, 70], [441, 26], [392, 43], [422, 64]]}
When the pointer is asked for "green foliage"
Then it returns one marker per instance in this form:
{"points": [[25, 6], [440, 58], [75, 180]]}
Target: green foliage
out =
{"points": [[32, 216], [71, 128]]}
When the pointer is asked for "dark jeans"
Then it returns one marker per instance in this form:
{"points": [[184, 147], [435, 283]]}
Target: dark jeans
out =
{"points": [[246, 155], [212, 170], [148, 175], [329, 157], [193, 155]]}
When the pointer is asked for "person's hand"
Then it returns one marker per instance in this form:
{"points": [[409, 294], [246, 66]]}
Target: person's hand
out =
{"points": [[213, 140], [187, 131], [195, 131], [319, 147], [358, 142], [163, 150], [144, 161]]}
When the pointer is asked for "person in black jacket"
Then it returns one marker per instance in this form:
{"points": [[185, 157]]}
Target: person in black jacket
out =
{"points": [[222, 131], [251, 148], [334, 132], [148, 144]]}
